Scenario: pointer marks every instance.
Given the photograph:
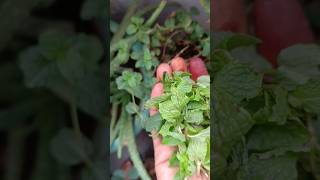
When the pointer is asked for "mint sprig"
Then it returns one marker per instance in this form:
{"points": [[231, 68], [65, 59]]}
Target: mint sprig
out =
{"points": [[184, 121]]}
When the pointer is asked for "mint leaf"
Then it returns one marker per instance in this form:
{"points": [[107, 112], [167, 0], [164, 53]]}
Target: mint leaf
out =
{"points": [[268, 137], [132, 108], [277, 168], [69, 149], [194, 116], [153, 123], [300, 62], [237, 40], [307, 96], [280, 110], [169, 111], [131, 82], [237, 81]]}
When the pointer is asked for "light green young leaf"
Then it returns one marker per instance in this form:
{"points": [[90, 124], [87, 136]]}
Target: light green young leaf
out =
{"points": [[169, 111]]}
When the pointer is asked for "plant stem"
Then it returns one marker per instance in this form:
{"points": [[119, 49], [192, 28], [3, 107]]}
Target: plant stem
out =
{"points": [[156, 13], [133, 152], [113, 130], [77, 130], [124, 24]]}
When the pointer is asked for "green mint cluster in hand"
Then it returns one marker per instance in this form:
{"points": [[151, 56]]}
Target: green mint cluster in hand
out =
{"points": [[184, 121]]}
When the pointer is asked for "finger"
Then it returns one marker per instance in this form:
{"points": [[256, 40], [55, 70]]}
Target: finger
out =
{"points": [[157, 90], [178, 64], [197, 68], [162, 153], [163, 68]]}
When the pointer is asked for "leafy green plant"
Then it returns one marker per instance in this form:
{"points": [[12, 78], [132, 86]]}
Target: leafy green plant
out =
{"points": [[266, 120], [137, 46], [184, 121], [53, 81]]}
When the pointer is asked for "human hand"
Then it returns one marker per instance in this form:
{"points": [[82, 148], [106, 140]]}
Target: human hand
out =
{"points": [[163, 153]]}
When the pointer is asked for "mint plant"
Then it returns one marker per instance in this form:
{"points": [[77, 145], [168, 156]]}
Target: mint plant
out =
{"points": [[265, 120], [184, 121], [138, 45]]}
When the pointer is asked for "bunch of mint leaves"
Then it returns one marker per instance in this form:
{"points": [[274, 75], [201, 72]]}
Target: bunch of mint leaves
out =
{"points": [[266, 121], [184, 121], [138, 45]]}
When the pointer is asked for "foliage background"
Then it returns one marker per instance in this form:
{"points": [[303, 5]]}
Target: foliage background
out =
{"points": [[53, 89]]}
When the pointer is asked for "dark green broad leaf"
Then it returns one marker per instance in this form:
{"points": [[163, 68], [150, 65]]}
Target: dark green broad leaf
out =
{"points": [[69, 149], [300, 62], [68, 66], [231, 124], [307, 96], [220, 58], [280, 110], [277, 168], [237, 40], [91, 95], [237, 81], [290, 137], [248, 55]]}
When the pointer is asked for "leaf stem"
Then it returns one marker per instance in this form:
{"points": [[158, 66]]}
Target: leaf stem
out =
{"points": [[113, 129], [133, 152], [156, 13], [124, 24], [77, 130]]}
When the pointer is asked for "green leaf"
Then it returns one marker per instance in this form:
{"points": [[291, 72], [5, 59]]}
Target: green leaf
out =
{"points": [[169, 111], [90, 95], [132, 108], [231, 124], [267, 137], [197, 150], [131, 82], [237, 81], [300, 62], [203, 81], [153, 102], [238, 40], [307, 96], [131, 29], [185, 85], [153, 123], [66, 147], [171, 141], [248, 55], [280, 110], [277, 168], [194, 116]]}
